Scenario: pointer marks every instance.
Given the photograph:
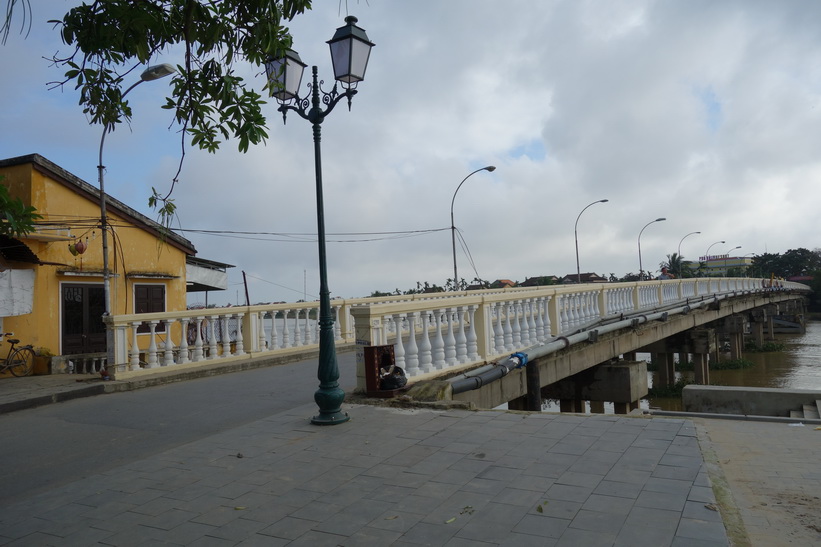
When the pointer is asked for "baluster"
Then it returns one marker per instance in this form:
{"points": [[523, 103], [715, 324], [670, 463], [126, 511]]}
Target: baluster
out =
{"points": [[563, 319], [196, 356], [517, 327], [508, 330], [297, 329], [533, 332], [286, 334], [399, 347], [262, 341], [540, 334], [412, 355], [450, 340], [439, 343], [498, 331], [472, 340], [225, 335], [461, 339], [337, 324], [135, 348], [184, 340], [425, 355], [309, 338], [239, 348], [168, 355], [274, 335], [525, 323], [151, 357], [212, 337], [573, 312]]}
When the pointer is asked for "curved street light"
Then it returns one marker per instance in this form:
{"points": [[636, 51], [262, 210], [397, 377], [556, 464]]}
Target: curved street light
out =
{"points": [[490, 169], [707, 254], [576, 235], [726, 257], [679, 250], [154, 72], [641, 270], [350, 51]]}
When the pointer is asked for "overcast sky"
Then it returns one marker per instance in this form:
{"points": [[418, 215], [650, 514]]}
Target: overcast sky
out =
{"points": [[703, 112]]}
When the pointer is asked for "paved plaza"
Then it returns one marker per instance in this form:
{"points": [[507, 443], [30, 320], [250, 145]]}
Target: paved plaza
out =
{"points": [[410, 477]]}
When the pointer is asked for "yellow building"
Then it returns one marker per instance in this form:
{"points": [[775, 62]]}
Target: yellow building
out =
{"points": [[66, 299]]}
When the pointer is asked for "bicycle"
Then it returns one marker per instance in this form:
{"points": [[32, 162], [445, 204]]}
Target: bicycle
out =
{"points": [[20, 360]]}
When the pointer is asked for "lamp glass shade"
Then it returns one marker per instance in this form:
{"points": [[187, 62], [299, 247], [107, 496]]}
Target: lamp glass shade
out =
{"points": [[285, 75], [350, 51]]}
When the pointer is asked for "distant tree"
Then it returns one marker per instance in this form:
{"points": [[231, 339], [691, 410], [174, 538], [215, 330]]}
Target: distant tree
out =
{"points": [[673, 264], [16, 218]]}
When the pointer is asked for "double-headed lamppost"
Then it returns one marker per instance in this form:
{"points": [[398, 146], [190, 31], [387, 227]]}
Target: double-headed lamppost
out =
{"points": [[679, 250], [576, 235], [151, 73], [490, 169], [350, 50], [641, 270]]}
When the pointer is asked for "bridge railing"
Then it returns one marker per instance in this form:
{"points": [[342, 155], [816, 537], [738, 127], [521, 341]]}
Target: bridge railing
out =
{"points": [[430, 332]]}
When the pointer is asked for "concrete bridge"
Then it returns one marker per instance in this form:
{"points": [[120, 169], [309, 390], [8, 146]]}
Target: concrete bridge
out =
{"points": [[564, 331]]}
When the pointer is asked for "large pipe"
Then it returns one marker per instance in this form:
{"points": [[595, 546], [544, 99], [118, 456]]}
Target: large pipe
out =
{"points": [[491, 372]]}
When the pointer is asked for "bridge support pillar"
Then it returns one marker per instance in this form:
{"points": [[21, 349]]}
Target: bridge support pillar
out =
{"points": [[623, 384], [757, 330], [701, 368], [736, 345], [625, 408], [571, 405], [666, 368]]}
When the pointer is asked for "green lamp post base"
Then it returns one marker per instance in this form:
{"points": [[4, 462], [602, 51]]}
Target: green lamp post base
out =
{"points": [[329, 400]]}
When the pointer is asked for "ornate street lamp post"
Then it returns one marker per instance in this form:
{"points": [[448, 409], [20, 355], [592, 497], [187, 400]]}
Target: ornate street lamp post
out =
{"points": [[490, 169], [641, 270], [576, 235], [350, 50]]}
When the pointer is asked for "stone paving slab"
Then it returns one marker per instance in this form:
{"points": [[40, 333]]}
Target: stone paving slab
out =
{"points": [[396, 477]]}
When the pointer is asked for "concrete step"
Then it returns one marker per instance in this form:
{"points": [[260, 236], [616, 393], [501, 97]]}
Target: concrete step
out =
{"points": [[818, 405], [797, 414], [811, 412]]}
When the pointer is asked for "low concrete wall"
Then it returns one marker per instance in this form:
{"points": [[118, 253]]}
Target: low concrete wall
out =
{"points": [[746, 400]]}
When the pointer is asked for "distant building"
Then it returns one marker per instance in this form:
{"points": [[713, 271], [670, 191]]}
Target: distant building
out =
{"points": [[502, 284], [539, 281], [585, 278], [719, 265]]}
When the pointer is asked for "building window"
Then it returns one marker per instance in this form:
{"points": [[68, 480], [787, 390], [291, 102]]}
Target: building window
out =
{"points": [[149, 299]]}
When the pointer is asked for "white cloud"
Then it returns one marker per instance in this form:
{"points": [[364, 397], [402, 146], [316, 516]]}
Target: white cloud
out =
{"points": [[705, 113]]}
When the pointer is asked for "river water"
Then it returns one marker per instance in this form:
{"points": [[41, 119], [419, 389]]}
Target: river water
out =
{"points": [[798, 366]]}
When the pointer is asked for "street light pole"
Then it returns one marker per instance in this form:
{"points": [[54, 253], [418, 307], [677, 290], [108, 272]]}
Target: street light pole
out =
{"points": [[725, 258], [576, 236], [641, 269], [151, 73], [679, 250], [350, 50], [490, 169], [707, 254]]}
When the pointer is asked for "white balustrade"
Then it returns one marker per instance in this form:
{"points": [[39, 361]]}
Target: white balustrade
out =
{"points": [[430, 332]]}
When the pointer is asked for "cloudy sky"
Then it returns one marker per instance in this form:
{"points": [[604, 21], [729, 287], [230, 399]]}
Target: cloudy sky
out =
{"points": [[706, 113]]}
